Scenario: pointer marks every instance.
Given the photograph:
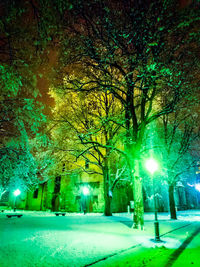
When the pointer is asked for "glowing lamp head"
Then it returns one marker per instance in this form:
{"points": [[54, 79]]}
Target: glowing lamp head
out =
{"points": [[151, 165], [17, 192], [85, 190], [197, 187]]}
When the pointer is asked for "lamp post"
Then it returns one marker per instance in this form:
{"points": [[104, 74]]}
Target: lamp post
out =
{"points": [[16, 193], [86, 192], [152, 166]]}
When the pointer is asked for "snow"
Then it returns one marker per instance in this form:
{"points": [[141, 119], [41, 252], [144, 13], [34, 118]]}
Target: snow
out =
{"points": [[43, 239]]}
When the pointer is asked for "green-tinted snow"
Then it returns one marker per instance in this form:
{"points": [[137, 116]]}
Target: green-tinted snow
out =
{"points": [[153, 257]]}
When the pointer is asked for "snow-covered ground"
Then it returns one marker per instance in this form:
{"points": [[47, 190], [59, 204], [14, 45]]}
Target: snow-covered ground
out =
{"points": [[43, 239]]}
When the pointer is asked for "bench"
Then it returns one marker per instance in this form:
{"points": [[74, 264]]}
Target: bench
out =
{"points": [[60, 213], [14, 215]]}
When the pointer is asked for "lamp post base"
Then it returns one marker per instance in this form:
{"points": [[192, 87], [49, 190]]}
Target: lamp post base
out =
{"points": [[156, 228]]}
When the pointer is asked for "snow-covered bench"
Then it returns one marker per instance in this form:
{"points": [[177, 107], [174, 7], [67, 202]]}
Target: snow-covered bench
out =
{"points": [[60, 213], [14, 215]]}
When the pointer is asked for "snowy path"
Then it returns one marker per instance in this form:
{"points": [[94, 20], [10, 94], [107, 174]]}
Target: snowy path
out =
{"points": [[61, 241], [180, 248], [41, 240]]}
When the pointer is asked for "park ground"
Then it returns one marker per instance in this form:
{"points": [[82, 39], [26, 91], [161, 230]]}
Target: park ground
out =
{"points": [[40, 239]]}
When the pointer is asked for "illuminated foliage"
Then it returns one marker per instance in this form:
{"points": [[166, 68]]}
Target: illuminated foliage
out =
{"points": [[88, 127], [23, 145], [20, 119]]}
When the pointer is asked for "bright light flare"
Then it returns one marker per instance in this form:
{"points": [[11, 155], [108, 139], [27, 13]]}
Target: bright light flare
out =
{"points": [[151, 165], [197, 187], [85, 190], [17, 192]]}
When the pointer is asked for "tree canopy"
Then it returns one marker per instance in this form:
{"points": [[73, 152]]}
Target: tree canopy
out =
{"points": [[138, 52]]}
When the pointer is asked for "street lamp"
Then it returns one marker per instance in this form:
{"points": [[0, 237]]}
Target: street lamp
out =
{"points": [[197, 187], [16, 193], [152, 166], [86, 192]]}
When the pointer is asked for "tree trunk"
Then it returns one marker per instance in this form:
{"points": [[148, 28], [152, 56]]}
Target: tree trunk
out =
{"points": [[107, 197], [172, 202], [138, 216], [107, 209], [53, 202]]}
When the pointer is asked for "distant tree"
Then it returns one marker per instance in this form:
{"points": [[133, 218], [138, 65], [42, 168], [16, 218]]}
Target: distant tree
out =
{"points": [[178, 136], [20, 119], [88, 128], [22, 49]]}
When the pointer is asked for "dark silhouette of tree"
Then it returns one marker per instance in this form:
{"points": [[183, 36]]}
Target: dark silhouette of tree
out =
{"points": [[178, 136], [21, 115]]}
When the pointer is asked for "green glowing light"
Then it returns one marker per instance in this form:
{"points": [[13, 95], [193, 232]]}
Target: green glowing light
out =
{"points": [[17, 192], [85, 190], [197, 187], [151, 165]]}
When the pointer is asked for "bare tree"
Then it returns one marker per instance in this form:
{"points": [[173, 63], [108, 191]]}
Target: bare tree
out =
{"points": [[178, 134], [94, 122], [132, 50]]}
